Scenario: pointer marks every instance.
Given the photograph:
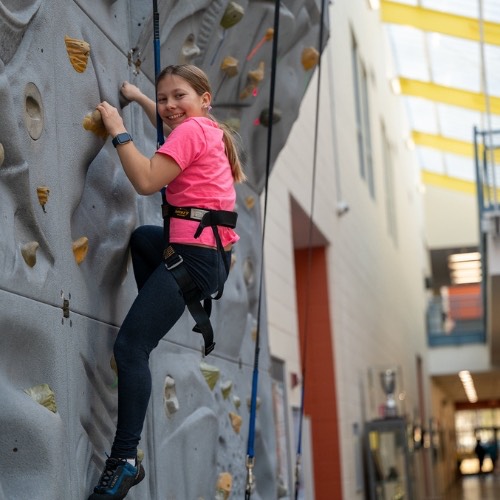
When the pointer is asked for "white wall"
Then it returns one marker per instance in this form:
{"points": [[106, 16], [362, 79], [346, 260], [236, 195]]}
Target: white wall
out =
{"points": [[376, 285]]}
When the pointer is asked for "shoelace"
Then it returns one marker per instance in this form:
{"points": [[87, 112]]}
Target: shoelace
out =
{"points": [[109, 470]]}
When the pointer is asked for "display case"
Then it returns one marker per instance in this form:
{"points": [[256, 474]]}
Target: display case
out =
{"points": [[388, 459]]}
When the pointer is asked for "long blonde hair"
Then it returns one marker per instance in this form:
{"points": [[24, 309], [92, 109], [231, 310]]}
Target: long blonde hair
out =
{"points": [[198, 80]]}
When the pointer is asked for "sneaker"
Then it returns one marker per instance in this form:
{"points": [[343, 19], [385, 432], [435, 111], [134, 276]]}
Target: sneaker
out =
{"points": [[117, 478]]}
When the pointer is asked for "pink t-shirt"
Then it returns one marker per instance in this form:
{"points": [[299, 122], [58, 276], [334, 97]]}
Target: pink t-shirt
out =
{"points": [[206, 181]]}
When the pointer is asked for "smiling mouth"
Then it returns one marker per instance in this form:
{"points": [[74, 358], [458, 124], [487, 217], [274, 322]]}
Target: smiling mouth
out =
{"points": [[174, 117]]}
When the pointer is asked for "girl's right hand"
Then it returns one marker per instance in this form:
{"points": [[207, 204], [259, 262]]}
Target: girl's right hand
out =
{"points": [[130, 91]]}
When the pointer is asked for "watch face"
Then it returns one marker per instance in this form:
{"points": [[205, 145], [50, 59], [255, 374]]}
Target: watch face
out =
{"points": [[122, 138]]}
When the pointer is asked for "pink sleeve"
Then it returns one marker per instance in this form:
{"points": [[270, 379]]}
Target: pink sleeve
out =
{"points": [[185, 143]]}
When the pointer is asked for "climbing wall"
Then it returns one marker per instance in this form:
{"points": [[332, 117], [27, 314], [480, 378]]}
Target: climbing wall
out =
{"points": [[67, 211]]}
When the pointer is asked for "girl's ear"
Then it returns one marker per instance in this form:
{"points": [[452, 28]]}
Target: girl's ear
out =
{"points": [[206, 99]]}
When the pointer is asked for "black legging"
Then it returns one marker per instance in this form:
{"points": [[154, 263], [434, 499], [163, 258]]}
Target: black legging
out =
{"points": [[154, 312]]}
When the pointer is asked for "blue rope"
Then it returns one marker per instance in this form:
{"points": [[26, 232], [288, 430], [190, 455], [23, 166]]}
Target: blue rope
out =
{"points": [[255, 378], [160, 138]]}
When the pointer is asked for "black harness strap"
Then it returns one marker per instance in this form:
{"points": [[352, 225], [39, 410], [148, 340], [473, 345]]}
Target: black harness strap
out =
{"points": [[175, 264]]}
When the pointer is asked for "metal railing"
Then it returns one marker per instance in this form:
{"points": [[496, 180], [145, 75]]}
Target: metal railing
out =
{"points": [[456, 320]]}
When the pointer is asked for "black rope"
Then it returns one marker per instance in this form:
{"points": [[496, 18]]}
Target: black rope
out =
{"points": [[250, 459], [298, 459]]}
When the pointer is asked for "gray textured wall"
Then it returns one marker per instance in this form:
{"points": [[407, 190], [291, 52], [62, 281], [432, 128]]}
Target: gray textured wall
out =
{"points": [[55, 449]]}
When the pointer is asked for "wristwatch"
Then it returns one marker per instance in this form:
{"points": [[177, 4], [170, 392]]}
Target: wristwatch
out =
{"points": [[122, 138]]}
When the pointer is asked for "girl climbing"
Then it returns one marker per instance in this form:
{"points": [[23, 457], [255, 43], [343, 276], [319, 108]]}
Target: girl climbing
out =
{"points": [[199, 165]]}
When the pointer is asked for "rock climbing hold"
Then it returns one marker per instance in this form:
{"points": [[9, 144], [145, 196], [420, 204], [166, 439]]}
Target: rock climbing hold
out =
{"points": [[232, 15], [211, 374], [43, 395], [189, 50], [43, 195], [93, 122], [253, 79], [80, 249], [33, 111], [170, 401], [78, 53], [225, 388], [235, 421], [230, 66], [224, 486], [28, 251], [264, 117], [310, 57]]}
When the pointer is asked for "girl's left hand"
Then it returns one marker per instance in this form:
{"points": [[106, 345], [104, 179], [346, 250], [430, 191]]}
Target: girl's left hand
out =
{"points": [[111, 118]]}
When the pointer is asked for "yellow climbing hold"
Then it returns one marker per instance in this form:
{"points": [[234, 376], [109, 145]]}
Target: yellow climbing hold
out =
{"points": [[93, 122], [310, 57], [211, 374], [43, 395], [226, 388], [80, 249], [43, 195], [78, 53]]}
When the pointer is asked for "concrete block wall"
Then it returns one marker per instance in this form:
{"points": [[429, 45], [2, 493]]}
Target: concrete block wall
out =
{"points": [[58, 316]]}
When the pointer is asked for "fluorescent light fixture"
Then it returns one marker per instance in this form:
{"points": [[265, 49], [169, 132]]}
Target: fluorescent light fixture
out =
{"points": [[468, 384], [466, 264], [466, 273], [465, 281], [374, 4], [461, 257]]}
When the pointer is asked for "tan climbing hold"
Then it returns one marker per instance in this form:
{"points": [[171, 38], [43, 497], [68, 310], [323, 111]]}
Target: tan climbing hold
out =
{"points": [[248, 272], [2, 154], [93, 122], [253, 79], [310, 57], [43, 395], [224, 486], [43, 195], [78, 53], [236, 401], [233, 260], [235, 421], [28, 251], [80, 249], [257, 403], [250, 202], [211, 374], [230, 66], [232, 15]]}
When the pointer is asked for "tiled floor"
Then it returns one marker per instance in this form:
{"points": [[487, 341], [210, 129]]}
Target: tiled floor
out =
{"points": [[476, 487]]}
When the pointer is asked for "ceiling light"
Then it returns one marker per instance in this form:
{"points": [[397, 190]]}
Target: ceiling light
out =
{"points": [[374, 4], [461, 257], [468, 384], [465, 281], [464, 273], [466, 264]]}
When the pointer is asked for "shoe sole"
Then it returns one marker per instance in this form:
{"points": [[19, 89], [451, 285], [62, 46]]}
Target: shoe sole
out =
{"points": [[137, 480]]}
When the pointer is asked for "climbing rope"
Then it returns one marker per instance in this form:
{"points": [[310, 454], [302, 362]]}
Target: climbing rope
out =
{"points": [[250, 458], [298, 458], [160, 138]]}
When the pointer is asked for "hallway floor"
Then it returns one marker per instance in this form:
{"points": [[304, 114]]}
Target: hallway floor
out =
{"points": [[476, 487]]}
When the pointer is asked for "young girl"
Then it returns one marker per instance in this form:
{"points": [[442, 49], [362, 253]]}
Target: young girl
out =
{"points": [[199, 165]]}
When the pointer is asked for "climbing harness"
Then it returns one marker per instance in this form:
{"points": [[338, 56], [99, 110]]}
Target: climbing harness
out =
{"points": [[250, 458], [175, 264], [298, 458]]}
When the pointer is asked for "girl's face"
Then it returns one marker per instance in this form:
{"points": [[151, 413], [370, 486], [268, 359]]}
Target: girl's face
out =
{"points": [[177, 100]]}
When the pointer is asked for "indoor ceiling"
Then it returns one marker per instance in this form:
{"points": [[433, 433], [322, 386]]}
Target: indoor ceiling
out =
{"points": [[446, 57], [446, 66]]}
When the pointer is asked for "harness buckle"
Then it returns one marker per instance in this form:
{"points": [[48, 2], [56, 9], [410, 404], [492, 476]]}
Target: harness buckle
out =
{"points": [[171, 259]]}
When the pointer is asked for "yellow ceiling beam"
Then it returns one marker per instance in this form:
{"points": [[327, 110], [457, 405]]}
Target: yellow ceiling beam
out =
{"points": [[447, 182], [449, 95], [448, 145], [439, 22], [443, 143]]}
